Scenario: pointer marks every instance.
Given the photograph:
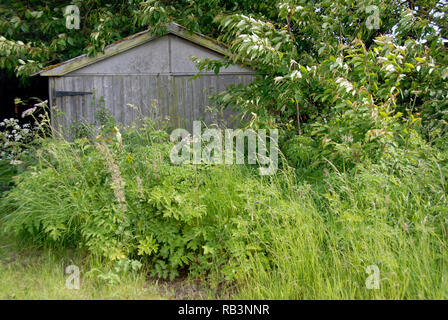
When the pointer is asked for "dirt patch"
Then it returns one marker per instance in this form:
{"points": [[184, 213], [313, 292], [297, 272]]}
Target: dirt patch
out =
{"points": [[184, 288]]}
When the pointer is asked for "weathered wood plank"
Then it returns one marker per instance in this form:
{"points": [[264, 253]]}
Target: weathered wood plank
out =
{"points": [[158, 97]]}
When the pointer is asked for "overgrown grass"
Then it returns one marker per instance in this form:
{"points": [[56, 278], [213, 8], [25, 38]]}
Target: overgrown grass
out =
{"points": [[32, 273], [120, 199], [319, 245]]}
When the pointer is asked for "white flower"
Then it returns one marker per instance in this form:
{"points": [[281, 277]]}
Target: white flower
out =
{"points": [[347, 138], [296, 75], [277, 79], [15, 162], [390, 68], [345, 84]]}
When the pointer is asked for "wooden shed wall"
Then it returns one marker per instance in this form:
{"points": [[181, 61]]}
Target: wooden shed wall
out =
{"points": [[154, 77], [157, 96]]}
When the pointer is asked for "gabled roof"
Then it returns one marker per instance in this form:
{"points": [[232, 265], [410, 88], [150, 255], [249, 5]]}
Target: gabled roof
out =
{"points": [[128, 43]]}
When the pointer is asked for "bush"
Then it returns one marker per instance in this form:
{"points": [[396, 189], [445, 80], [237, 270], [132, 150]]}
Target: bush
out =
{"points": [[124, 199]]}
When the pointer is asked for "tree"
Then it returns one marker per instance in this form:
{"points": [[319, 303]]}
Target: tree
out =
{"points": [[34, 33], [355, 76]]}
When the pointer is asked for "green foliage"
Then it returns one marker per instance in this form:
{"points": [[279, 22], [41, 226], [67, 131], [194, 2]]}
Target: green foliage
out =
{"points": [[328, 76], [128, 205], [119, 197], [318, 245], [124, 200], [362, 117], [15, 139], [80, 130], [25, 271], [17, 142], [34, 34]]}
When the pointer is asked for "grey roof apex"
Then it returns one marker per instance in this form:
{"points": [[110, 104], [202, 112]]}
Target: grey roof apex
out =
{"points": [[128, 43]]}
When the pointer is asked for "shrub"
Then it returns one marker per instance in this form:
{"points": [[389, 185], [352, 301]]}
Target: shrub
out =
{"points": [[124, 199]]}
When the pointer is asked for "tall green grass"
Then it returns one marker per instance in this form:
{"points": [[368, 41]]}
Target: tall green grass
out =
{"points": [[27, 272], [319, 245], [278, 237]]}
